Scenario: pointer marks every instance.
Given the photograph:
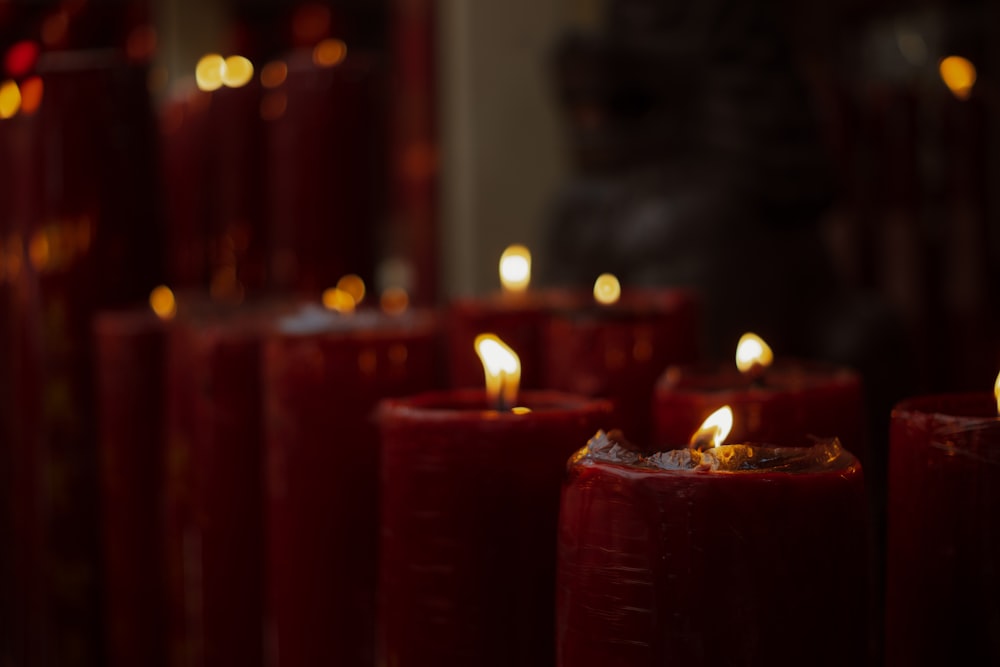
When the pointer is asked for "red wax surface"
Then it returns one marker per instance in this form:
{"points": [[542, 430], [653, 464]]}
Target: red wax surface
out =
{"points": [[943, 594], [469, 506], [322, 478], [619, 351], [518, 319], [661, 567], [214, 492], [794, 400], [130, 356]]}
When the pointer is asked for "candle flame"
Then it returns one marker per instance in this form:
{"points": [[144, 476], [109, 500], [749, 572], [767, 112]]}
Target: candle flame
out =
{"points": [[959, 74], [163, 303], [607, 289], [394, 301], [236, 71], [515, 268], [338, 300], [996, 392], [209, 71], [752, 353], [502, 368], [714, 430], [353, 285]]}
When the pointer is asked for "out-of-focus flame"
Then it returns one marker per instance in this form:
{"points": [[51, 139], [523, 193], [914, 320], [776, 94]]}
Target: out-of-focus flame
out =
{"points": [[515, 268], [752, 353], [21, 58], [394, 301], [353, 285], [163, 303], [274, 74], [329, 52], [209, 71], [10, 99], [959, 74], [237, 71], [337, 299], [714, 430], [607, 289], [32, 91], [996, 392], [502, 368]]}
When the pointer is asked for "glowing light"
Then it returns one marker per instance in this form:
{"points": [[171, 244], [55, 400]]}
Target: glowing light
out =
{"points": [[55, 28], [515, 268], [502, 368], [141, 42], [338, 300], [209, 72], [329, 52], [996, 392], [274, 74], [21, 58], [39, 251], [32, 91], [353, 285], [714, 430], [394, 301], [10, 99], [752, 353], [273, 105], [237, 71], [163, 303], [607, 289], [959, 74]]}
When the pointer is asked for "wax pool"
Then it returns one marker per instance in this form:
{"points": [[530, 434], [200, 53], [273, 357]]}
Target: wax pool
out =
{"points": [[748, 554], [943, 569], [470, 498]]}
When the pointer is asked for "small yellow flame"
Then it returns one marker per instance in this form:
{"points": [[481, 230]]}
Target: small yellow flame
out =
{"points": [[353, 285], [752, 353], [996, 392], [394, 301], [209, 72], [10, 99], [515, 268], [502, 368], [714, 430], [607, 289], [329, 52], [237, 71], [959, 74], [162, 301], [338, 300]]}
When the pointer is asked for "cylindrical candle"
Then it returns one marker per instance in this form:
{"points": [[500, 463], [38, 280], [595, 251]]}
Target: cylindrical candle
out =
{"points": [[790, 401], [618, 351], [943, 593], [130, 348], [470, 499], [323, 375], [743, 555]]}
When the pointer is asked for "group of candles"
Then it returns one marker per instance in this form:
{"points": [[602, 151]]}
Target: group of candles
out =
{"points": [[289, 485]]}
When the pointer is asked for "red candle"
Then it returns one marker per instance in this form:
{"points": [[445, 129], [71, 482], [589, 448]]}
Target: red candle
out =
{"points": [[130, 349], [619, 348], [741, 555], [214, 486], [323, 375], [469, 505], [943, 589], [784, 403], [517, 315]]}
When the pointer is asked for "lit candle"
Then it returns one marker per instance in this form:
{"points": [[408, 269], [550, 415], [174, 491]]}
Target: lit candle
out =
{"points": [[943, 592], [324, 371], [469, 500], [714, 554], [780, 401], [617, 346]]}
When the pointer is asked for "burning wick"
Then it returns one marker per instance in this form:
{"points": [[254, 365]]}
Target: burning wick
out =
{"points": [[502, 368], [714, 430], [753, 356], [996, 392]]}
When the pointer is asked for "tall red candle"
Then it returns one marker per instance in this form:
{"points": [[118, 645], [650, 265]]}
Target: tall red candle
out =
{"points": [[618, 351], [323, 375], [762, 562], [943, 588], [469, 505], [790, 401], [130, 348]]}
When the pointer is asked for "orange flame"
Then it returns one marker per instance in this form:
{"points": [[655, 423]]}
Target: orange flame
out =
{"points": [[163, 303], [714, 430], [502, 368]]}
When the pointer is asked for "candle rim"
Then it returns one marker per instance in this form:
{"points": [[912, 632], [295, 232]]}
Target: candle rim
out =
{"points": [[722, 377], [965, 406], [425, 406]]}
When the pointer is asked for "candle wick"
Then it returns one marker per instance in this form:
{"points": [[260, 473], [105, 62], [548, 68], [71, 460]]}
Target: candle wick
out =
{"points": [[502, 395]]}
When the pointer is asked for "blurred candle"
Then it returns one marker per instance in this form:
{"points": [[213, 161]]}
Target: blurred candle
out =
{"points": [[943, 592], [469, 503], [324, 372], [739, 554]]}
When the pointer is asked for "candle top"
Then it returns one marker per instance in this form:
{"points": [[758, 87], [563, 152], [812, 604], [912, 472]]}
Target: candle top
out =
{"points": [[461, 405], [310, 319], [782, 375], [971, 406], [823, 456]]}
